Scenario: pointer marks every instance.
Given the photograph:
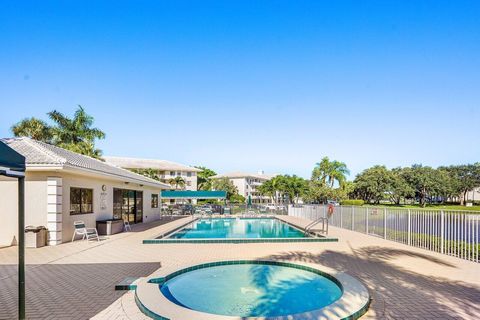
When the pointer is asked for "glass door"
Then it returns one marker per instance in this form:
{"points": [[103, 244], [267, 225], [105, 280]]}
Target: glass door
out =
{"points": [[128, 205], [138, 206], [131, 205]]}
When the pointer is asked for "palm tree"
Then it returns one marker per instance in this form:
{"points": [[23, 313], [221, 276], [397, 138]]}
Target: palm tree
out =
{"points": [[328, 171], [148, 172], [297, 186], [74, 130], [75, 134], [322, 170], [339, 173], [268, 189], [177, 182], [33, 128], [204, 178]]}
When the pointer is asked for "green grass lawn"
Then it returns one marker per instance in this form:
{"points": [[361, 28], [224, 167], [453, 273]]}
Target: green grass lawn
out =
{"points": [[431, 206]]}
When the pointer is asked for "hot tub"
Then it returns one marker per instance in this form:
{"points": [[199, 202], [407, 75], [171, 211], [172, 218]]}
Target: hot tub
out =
{"points": [[251, 289]]}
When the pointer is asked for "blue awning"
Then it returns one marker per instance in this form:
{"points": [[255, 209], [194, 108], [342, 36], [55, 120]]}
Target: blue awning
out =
{"points": [[11, 162], [189, 194]]}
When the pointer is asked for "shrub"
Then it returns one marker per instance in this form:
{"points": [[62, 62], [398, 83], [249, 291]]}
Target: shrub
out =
{"points": [[352, 202]]}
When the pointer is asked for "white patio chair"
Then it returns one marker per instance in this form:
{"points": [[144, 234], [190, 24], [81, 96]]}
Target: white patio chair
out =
{"points": [[126, 225], [86, 233]]}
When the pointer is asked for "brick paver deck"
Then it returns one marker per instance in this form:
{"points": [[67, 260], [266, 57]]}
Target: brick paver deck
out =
{"points": [[76, 280]]}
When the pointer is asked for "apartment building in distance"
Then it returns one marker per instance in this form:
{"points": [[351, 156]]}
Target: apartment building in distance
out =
{"points": [[247, 184], [166, 169]]}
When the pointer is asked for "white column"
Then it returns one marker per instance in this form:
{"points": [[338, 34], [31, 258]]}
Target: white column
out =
{"points": [[54, 210]]}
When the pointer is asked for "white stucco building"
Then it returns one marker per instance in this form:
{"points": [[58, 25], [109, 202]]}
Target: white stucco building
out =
{"points": [[247, 184], [62, 187], [166, 170]]}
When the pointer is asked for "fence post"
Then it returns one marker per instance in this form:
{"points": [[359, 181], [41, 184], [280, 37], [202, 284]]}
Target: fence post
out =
{"points": [[341, 216], [366, 221], [442, 231], [384, 223], [409, 232], [353, 218], [324, 213]]}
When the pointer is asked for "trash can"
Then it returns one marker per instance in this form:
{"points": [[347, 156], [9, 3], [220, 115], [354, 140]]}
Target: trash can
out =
{"points": [[35, 237]]}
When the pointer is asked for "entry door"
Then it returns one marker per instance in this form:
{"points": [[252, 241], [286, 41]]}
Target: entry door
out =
{"points": [[128, 204], [138, 206], [129, 200]]}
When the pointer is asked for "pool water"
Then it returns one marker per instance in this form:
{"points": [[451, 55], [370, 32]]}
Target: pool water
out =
{"points": [[251, 290], [243, 228]]}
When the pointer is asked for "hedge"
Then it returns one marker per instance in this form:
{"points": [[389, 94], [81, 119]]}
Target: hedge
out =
{"points": [[352, 202]]}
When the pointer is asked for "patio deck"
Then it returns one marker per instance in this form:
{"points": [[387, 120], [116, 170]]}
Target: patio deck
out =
{"points": [[76, 280]]}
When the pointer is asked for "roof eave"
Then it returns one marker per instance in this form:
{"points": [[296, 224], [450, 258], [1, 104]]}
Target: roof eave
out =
{"points": [[74, 169]]}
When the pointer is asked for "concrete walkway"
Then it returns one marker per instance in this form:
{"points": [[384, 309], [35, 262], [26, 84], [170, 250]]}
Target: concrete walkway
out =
{"points": [[75, 280]]}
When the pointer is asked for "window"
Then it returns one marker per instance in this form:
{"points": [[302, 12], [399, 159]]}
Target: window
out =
{"points": [[154, 200], [179, 173], [81, 200], [189, 183], [189, 174], [172, 173]]}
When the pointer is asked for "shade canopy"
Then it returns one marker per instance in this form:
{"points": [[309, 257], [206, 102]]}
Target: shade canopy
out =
{"points": [[11, 162]]}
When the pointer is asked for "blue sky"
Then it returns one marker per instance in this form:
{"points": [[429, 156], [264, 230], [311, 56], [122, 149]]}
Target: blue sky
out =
{"points": [[250, 85]]}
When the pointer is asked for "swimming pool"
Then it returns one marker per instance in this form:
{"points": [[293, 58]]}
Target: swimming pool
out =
{"points": [[246, 289], [236, 230], [241, 228]]}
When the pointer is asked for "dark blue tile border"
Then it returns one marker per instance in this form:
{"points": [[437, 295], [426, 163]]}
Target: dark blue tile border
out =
{"points": [[231, 240]]}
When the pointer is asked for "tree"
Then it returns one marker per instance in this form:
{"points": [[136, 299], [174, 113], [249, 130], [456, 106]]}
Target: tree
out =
{"points": [[237, 198], [75, 134], [34, 128], [318, 192], [149, 172], [269, 189], [295, 187], [177, 182], [373, 184], [330, 172], [224, 184], [426, 181], [464, 178], [204, 178], [399, 188]]}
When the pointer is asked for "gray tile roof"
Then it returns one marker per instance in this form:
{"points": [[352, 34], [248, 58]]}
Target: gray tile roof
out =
{"points": [[137, 163], [38, 153]]}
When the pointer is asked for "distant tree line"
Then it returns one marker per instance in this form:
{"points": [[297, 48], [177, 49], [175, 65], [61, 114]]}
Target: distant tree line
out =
{"points": [[416, 183]]}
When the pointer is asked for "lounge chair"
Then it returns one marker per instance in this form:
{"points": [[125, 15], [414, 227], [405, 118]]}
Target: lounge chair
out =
{"points": [[86, 233]]}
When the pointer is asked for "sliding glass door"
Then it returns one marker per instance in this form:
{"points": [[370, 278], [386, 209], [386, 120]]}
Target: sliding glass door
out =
{"points": [[128, 205]]}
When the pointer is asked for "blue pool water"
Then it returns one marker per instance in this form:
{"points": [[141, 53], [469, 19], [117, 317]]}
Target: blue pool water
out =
{"points": [[251, 290], [243, 228]]}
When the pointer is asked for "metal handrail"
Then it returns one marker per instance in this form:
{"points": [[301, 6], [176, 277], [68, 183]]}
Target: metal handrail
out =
{"points": [[314, 223]]}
